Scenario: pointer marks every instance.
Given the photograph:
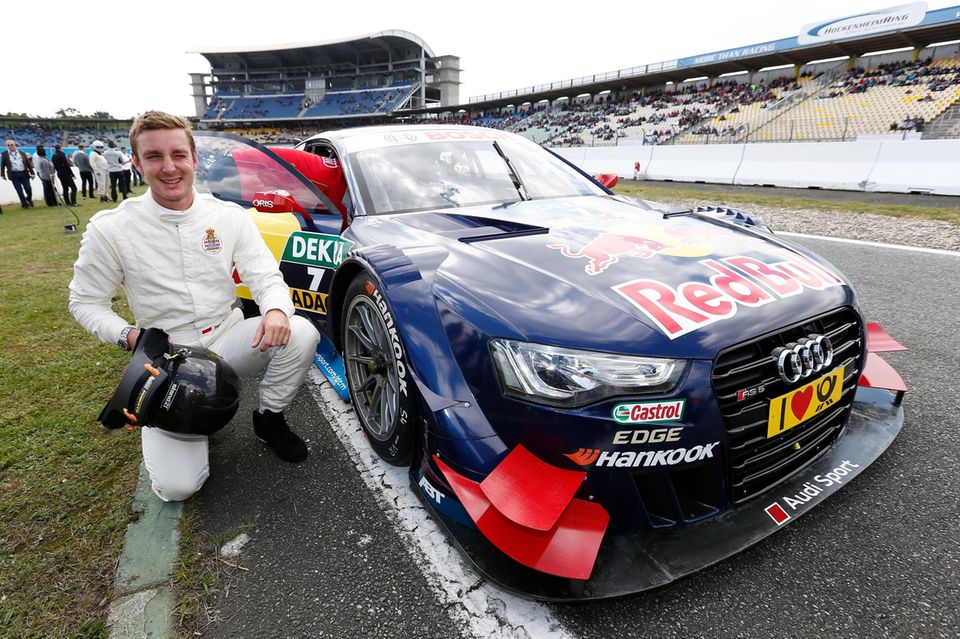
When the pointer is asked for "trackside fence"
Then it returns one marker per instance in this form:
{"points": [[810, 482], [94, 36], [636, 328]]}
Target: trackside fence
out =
{"points": [[893, 166]]}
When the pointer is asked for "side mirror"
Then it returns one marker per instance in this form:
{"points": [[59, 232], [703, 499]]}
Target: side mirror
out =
{"points": [[608, 180], [276, 202]]}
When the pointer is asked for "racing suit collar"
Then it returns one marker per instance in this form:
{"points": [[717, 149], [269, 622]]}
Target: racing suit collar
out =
{"points": [[171, 215]]}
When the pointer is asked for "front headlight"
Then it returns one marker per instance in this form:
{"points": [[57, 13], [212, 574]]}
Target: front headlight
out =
{"points": [[568, 377]]}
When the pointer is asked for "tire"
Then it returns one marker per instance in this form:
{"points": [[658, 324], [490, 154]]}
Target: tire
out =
{"points": [[381, 387]]}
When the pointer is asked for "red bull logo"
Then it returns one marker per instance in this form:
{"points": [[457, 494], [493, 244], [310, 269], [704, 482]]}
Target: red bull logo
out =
{"points": [[694, 305], [637, 240]]}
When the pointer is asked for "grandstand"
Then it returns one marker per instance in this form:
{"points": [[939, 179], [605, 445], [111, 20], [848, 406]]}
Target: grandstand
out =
{"points": [[69, 132], [886, 81], [839, 84], [346, 82]]}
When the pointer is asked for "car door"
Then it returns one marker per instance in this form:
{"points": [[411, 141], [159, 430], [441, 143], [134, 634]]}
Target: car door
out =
{"points": [[299, 223]]}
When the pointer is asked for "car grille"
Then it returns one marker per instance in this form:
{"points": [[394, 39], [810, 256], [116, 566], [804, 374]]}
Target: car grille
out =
{"points": [[755, 461]]}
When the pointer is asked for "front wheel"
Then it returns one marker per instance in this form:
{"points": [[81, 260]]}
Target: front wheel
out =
{"points": [[381, 389]]}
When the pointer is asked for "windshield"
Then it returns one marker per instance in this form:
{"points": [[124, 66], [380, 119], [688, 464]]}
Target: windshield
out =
{"points": [[454, 173]]}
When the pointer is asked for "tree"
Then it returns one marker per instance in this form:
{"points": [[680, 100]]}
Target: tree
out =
{"points": [[68, 112]]}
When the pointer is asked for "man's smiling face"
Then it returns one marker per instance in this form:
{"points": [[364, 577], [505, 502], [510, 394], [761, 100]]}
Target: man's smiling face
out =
{"points": [[168, 163]]}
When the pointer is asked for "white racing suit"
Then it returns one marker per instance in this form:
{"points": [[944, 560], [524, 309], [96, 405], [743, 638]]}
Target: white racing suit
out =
{"points": [[176, 270], [99, 165]]}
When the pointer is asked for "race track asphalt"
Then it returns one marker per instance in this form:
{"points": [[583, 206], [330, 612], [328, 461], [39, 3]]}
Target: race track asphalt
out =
{"points": [[881, 558]]}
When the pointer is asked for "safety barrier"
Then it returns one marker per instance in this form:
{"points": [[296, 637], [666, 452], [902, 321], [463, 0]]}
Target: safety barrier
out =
{"points": [[895, 166], [827, 165], [608, 159], [921, 166], [710, 163]]}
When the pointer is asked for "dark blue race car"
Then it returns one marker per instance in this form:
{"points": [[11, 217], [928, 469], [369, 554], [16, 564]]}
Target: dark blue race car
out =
{"points": [[595, 395]]}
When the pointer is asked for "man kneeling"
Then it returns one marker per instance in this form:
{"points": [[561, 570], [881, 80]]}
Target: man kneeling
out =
{"points": [[173, 251]]}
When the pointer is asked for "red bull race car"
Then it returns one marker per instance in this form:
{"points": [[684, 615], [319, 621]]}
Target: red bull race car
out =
{"points": [[595, 395]]}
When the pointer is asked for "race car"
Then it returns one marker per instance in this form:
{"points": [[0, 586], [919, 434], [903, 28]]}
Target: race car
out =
{"points": [[594, 394]]}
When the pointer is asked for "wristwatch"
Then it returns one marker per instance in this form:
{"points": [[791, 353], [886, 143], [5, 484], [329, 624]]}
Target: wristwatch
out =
{"points": [[122, 340]]}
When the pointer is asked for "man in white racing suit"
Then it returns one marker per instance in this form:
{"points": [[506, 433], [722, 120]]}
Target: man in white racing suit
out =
{"points": [[173, 251], [99, 165]]}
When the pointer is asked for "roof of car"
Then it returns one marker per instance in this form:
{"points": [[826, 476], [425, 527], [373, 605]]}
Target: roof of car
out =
{"points": [[388, 128]]}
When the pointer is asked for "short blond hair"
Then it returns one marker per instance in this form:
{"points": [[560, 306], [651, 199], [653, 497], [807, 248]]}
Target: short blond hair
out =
{"points": [[154, 120]]}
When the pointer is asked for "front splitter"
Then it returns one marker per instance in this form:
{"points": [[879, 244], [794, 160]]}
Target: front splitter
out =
{"points": [[631, 563]]}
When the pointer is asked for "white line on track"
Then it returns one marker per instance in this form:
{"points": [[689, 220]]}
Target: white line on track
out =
{"points": [[899, 247], [476, 607]]}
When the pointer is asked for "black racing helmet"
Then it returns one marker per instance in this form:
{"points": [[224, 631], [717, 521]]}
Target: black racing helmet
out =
{"points": [[176, 388]]}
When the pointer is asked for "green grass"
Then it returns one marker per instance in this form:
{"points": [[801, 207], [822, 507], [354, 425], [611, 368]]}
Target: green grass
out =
{"points": [[679, 193], [66, 484]]}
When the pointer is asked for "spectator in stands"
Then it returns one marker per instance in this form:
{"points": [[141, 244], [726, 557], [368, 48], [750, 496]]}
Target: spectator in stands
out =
{"points": [[82, 161], [64, 168], [112, 156], [125, 165], [101, 170], [46, 173], [19, 167]]}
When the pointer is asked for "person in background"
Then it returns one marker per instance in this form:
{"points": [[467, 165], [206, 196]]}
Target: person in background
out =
{"points": [[64, 168], [112, 156], [100, 170], [137, 175], [19, 167], [36, 153], [45, 173], [82, 161], [125, 165]]}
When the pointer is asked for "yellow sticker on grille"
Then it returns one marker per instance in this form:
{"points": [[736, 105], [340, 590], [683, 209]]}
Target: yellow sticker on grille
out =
{"points": [[800, 404]]}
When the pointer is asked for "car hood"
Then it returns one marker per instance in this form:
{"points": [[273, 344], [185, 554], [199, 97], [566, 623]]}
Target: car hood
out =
{"points": [[605, 273]]}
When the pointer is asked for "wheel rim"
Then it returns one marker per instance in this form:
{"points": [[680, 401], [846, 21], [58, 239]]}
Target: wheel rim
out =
{"points": [[371, 369]]}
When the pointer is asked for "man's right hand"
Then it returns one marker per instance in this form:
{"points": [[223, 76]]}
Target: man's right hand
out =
{"points": [[132, 337]]}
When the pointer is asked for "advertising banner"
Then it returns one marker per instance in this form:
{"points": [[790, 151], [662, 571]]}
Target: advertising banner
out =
{"points": [[901, 17]]}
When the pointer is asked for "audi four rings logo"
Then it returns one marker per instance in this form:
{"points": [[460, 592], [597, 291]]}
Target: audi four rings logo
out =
{"points": [[803, 358]]}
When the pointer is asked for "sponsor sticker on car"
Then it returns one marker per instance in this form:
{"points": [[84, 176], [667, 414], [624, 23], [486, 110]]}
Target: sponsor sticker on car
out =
{"points": [[649, 412], [793, 408], [810, 492], [647, 458], [316, 249], [733, 283]]}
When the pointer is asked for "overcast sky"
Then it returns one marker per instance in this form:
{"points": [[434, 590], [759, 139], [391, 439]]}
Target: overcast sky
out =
{"points": [[128, 57]]}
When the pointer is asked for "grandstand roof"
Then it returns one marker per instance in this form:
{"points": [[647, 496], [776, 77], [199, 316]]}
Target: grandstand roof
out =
{"points": [[308, 53]]}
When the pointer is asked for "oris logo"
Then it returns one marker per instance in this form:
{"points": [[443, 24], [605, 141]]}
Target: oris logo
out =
{"points": [[267, 204], [804, 358]]}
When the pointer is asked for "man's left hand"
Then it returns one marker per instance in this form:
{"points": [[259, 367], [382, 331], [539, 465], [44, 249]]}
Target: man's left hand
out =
{"points": [[274, 330]]}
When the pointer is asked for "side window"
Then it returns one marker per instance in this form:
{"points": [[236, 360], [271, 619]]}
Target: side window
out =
{"points": [[326, 172]]}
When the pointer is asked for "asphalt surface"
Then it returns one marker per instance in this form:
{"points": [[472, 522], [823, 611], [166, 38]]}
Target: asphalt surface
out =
{"points": [[911, 199], [323, 560], [881, 558]]}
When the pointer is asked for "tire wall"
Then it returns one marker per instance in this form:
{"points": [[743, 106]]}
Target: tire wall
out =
{"points": [[896, 166]]}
